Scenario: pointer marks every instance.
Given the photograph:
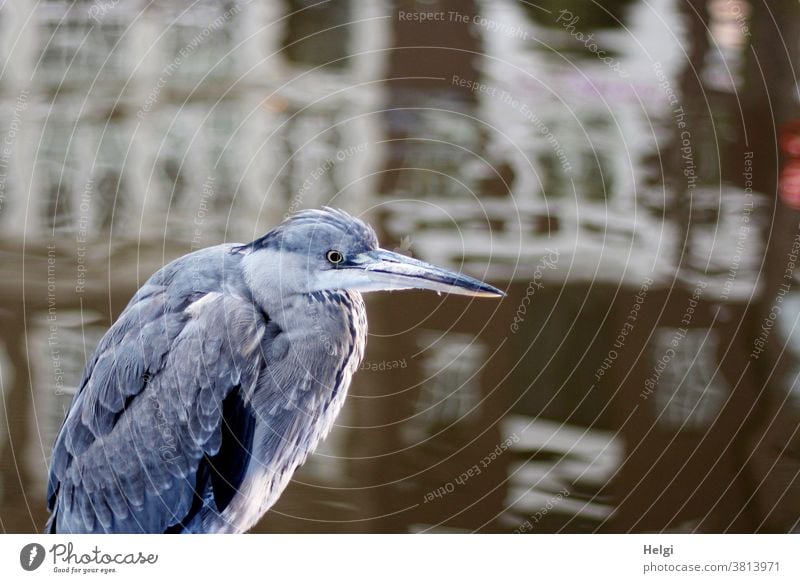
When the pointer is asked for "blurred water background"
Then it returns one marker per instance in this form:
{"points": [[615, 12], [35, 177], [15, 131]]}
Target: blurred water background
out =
{"points": [[612, 165]]}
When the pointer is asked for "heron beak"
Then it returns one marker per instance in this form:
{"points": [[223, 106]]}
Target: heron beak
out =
{"points": [[386, 270]]}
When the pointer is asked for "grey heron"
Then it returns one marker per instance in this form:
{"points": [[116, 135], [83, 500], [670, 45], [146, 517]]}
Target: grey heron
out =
{"points": [[221, 375]]}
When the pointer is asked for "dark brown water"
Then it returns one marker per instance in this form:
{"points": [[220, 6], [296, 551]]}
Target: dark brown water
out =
{"points": [[640, 376]]}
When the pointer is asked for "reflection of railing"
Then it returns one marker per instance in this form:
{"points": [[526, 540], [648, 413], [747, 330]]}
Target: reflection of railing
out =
{"points": [[557, 153], [185, 124], [451, 389], [558, 458]]}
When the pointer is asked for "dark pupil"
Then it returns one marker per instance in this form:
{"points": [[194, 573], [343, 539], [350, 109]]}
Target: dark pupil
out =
{"points": [[334, 256]]}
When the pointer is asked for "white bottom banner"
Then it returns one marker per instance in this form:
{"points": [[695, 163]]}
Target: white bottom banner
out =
{"points": [[350, 558]]}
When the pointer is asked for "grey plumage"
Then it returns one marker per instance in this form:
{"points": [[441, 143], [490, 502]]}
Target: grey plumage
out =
{"points": [[221, 375]]}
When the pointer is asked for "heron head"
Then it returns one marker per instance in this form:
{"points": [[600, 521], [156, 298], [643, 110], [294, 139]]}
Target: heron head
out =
{"points": [[328, 249]]}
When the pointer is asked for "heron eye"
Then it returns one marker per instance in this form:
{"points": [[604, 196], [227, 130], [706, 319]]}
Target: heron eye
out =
{"points": [[335, 256]]}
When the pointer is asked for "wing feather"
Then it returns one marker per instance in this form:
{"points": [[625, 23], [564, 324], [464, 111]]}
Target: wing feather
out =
{"points": [[150, 414]]}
